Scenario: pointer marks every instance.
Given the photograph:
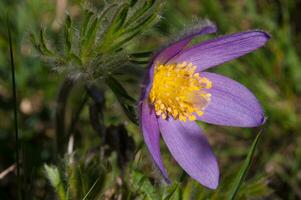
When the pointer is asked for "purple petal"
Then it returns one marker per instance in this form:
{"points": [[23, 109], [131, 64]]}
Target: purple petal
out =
{"points": [[150, 130], [231, 104], [173, 49], [219, 50], [191, 150]]}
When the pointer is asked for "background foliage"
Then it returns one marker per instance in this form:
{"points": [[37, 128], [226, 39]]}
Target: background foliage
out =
{"points": [[70, 152]]}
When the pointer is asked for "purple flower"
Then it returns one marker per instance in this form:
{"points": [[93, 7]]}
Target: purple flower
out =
{"points": [[177, 91]]}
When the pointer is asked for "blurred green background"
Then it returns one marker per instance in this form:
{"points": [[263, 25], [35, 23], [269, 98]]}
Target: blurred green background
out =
{"points": [[273, 73]]}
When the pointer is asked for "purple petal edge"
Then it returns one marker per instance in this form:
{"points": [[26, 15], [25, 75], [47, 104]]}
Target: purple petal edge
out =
{"points": [[232, 104], [191, 149], [222, 49], [151, 134], [174, 48]]}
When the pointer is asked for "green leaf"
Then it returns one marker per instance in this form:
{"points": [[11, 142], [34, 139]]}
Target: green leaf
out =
{"points": [[119, 18], [134, 31], [139, 62], [130, 113], [244, 169], [133, 2], [115, 26], [76, 59], [119, 91], [142, 184], [107, 10], [54, 177], [87, 18], [141, 55], [42, 48], [141, 11], [43, 45], [35, 43], [68, 35], [125, 100], [142, 24], [91, 34], [171, 191]]}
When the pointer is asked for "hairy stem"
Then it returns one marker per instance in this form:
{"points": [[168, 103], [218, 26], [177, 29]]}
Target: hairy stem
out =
{"points": [[60, 114], [76, 115], [96, 109]]}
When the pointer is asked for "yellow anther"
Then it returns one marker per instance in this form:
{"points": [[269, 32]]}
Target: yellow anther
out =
{"points": [[158, 112], [199, 113], [192, 117], [178, 91]]}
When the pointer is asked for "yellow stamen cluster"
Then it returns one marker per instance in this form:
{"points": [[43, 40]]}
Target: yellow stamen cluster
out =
{"points": [[178, 91]]}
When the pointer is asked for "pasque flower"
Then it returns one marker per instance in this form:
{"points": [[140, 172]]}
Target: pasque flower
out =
{"points": [[177, 91]]}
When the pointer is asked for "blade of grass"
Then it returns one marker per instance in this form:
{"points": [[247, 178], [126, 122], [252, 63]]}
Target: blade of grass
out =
{"points": [[244, 169], [85, 197], [12, 63]]}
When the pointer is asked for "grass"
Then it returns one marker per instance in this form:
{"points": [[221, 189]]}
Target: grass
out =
{"points": [[16, 128]]}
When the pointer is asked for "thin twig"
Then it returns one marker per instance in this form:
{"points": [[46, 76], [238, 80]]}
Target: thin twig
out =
{"points": [[7, 171]]}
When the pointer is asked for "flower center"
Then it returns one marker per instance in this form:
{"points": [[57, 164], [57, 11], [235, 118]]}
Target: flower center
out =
{"points": [[178, 91]]}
